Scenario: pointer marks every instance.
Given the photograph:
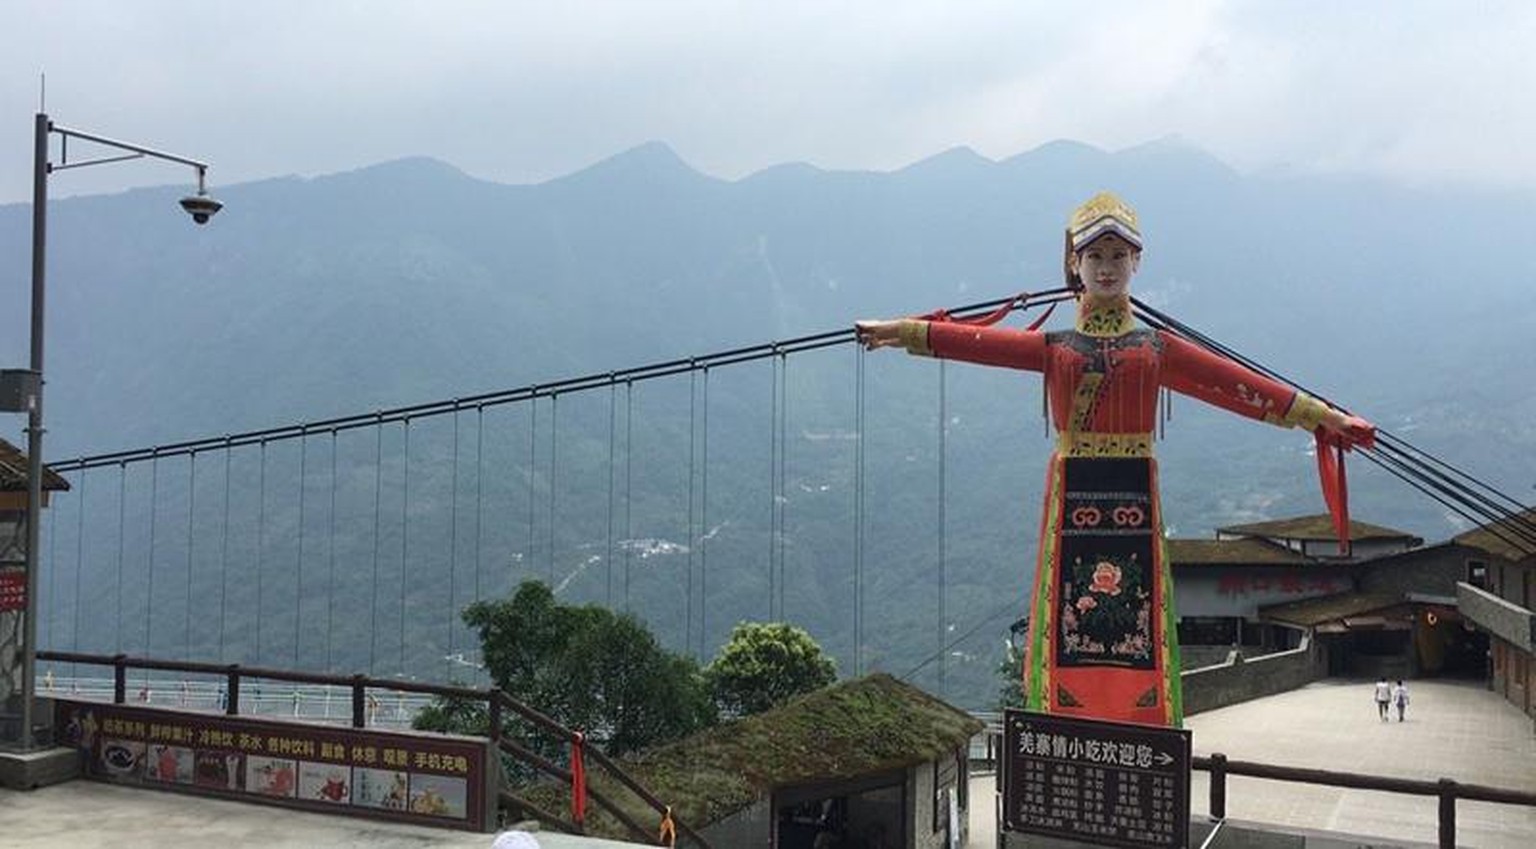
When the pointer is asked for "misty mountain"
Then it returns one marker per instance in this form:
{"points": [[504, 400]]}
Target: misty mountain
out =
{"points": [[409, 281]]}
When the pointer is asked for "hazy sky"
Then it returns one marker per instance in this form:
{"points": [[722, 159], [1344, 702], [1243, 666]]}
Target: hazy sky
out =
{"points": [[520, 91]]}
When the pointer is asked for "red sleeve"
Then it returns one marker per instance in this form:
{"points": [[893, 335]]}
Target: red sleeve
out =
{"points": [[1194, 371], [993, 346]]}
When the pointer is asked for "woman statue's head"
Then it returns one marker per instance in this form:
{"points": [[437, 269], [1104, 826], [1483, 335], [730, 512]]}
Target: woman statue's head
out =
{"points": [[1103, 248]]}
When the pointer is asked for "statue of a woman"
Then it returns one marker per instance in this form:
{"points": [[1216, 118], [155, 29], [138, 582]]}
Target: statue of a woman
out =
{"points": [[1102, 641]]}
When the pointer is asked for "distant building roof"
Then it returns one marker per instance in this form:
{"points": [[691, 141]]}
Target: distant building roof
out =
{"points": [[1234, 552], [855, 728], [13, 471], [1333, 608], [1317, 527], [1497, 538]]}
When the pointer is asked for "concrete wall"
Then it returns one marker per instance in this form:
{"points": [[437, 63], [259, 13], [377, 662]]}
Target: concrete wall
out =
{"points": [[1434, 570], [1504, 619], [1199, 657], [1241, 590], [1240, 680]]}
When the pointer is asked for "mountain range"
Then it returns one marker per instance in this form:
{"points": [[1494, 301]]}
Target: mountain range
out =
{"points": [[409, 281]]}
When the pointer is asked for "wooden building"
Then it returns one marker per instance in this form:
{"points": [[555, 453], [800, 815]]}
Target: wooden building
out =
{"points": [[1497, 596]]}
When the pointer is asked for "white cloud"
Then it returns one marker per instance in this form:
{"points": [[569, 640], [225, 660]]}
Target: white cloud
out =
{"points": [[522, 91]]}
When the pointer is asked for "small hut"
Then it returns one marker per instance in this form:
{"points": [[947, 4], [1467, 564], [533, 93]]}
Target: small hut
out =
{"points": [[872, 763]]}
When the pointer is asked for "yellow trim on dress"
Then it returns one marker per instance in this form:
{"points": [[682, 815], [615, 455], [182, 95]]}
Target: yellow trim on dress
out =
{"points": [[1084, 444], [1105, 320], [1305, 412], [913, 334]]}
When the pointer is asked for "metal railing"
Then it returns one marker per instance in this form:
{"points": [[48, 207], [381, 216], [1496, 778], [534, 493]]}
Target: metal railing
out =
{"points": [[364, 707], [1445, 789]]}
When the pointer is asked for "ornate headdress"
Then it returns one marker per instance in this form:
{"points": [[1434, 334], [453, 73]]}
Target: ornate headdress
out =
{"points": [[1101, 214]]}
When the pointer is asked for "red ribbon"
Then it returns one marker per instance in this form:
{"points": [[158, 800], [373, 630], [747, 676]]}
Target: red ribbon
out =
{"points": [[1330, 467], [1018, 301], [578, 781]]}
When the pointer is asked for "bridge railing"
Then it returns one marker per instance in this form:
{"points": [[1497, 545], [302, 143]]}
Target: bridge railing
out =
{"points": [[1447, 790], [987, 748], [499, 706]]}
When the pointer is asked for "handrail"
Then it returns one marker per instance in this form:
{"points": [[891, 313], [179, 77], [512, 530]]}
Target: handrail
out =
{"points": [[497, 702], [1446, 789]]}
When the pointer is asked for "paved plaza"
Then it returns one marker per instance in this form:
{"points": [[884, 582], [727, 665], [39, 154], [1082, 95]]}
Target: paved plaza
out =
{"points": [[1454, 730]]}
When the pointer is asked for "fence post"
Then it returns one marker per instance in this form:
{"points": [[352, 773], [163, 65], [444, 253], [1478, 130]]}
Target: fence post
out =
{"points": [[1218, 786], [232, 706], [1447, 813], [119, 679], [359, 709], [493, 710]]}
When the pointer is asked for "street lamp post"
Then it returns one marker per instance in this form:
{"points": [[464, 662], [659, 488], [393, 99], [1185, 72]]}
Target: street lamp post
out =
{"points": [[201, 207]]}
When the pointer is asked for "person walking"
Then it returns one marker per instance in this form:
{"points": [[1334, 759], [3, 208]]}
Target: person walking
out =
{"points": [[1383, 697], [1400, 698]]}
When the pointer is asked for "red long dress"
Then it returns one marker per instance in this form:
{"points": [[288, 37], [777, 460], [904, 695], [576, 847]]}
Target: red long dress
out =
{"points": [[1102, 641]]}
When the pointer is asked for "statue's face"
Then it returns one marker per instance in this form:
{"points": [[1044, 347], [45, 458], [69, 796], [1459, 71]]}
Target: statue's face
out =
{"points": [[1107, 265]]}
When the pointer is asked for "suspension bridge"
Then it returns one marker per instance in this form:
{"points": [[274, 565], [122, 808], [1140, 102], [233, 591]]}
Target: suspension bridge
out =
{"points": [[663, 489]]}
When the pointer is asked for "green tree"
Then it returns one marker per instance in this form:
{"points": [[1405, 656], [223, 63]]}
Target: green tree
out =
{"points": [[765, 664], [587, 668]]}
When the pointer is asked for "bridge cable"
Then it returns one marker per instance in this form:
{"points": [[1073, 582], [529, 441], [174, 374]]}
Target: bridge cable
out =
{"points": [[943, 517], [479, 492], [405, 534], [704, 524], [149, 593], [191, 535], [330, 569], [773, 484], [1426, 471], [378, 498], [74, 640], [650, 371], [692, 537], [453, 545], [261, 538], [858, 511], [554, 453], [1007, 608], [629, 420], [52, 598], [533, 439], [613, 406], [298, 570], [122, 523], [224, 552]]}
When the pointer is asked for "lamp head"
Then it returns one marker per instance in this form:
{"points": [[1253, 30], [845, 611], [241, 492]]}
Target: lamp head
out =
{"points": [[201, 207]]}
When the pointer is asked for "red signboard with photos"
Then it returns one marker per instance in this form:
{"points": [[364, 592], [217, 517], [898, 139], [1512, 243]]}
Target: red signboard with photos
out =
{"points": [[425, 779], [13, 589]]}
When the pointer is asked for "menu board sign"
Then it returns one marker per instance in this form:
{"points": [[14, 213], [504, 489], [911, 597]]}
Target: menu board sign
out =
{"points": [[1111, 783], [421, 778]]}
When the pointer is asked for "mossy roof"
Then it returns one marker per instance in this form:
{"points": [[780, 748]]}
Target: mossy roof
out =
{"points": [[1234, 552], [1316, 527], [855, 728], [1501, 538], [13, 471], [1315, 611]]}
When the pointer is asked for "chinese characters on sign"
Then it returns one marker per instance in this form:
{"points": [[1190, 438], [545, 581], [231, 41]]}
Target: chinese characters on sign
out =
{"points": [[1234, 583], [426, 779], [1098, 782]]}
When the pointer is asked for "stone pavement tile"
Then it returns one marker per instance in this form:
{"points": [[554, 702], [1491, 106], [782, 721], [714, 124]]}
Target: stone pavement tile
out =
{"points": [[1454, 729], [93, 815]]}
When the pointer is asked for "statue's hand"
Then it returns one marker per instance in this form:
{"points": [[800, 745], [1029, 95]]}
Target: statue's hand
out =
{"points": [[877, 334], [1350, 430]]}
